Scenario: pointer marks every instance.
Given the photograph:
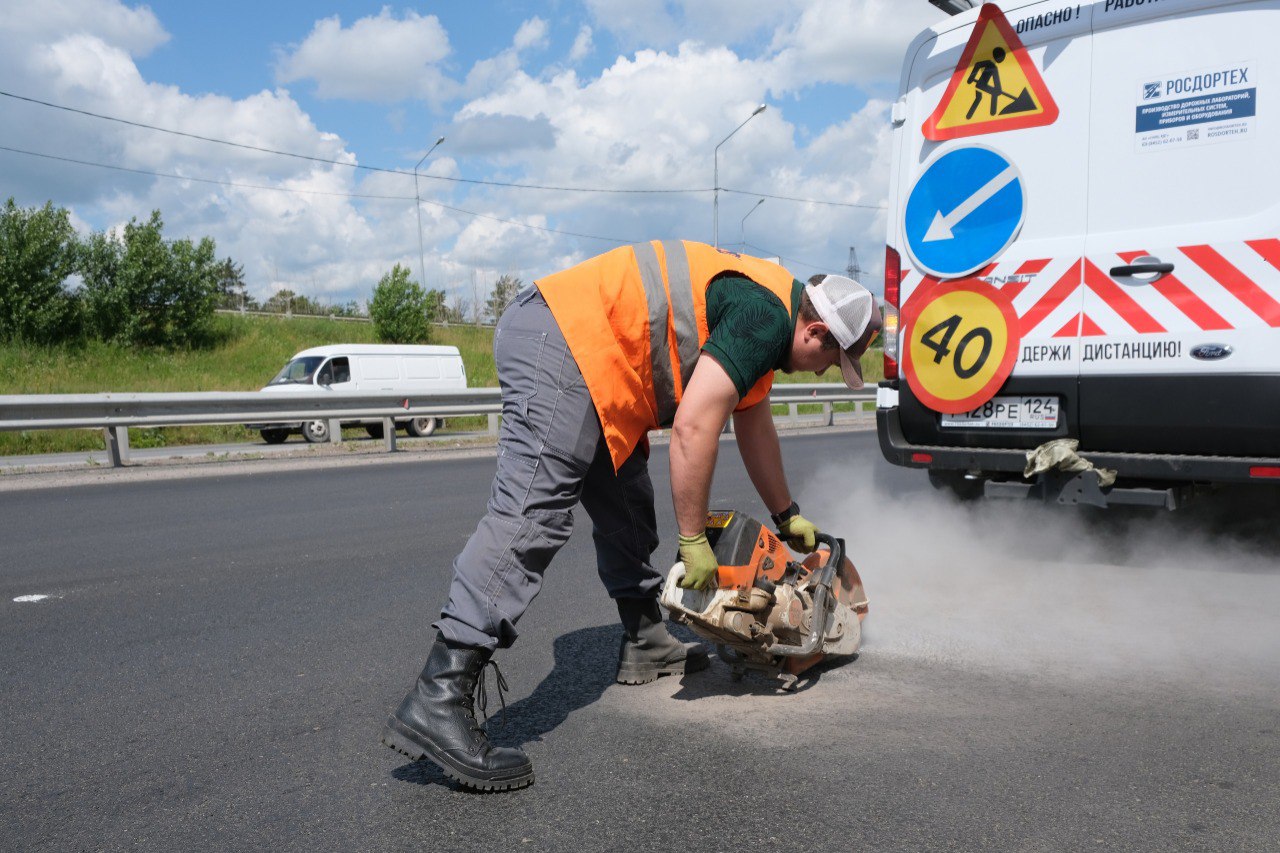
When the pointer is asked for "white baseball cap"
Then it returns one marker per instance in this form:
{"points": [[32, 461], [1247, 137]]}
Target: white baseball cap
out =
{"points": [[849, 311]]}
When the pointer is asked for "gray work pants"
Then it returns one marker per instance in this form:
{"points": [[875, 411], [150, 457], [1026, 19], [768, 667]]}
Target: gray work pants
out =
{"points": [[551, 455]]}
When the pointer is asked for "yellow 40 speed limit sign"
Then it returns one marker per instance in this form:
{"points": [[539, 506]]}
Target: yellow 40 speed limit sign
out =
{"points": [[962, 341]]}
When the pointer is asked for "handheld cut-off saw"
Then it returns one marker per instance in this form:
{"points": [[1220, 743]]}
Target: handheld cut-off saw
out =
{"points": [[766, 612]]}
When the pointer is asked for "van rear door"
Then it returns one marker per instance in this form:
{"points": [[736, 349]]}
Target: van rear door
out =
{"points": [[1040, 270], [1183, 178]]}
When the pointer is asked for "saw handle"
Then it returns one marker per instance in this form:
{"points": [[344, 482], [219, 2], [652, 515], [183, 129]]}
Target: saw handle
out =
{"points": [[827, 574], [822, 596]]}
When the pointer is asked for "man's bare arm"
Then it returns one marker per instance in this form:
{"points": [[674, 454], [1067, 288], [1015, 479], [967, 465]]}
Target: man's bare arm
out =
{"points": [[695, 439], [761, 454]]}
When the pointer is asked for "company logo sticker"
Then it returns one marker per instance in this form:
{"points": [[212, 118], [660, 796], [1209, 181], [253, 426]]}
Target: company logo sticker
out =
{"points": [[995, 86], [1207, 105], [961, 344]]}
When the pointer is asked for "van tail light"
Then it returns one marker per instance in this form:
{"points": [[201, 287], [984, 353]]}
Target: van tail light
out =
{"points": [[892, 293], [1264, 472]]}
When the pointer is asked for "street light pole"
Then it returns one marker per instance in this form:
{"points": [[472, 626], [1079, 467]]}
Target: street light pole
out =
{"points": [[742, 236], [715, 203], [417, 206]]}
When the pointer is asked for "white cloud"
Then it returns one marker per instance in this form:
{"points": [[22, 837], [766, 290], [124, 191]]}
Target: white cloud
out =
{"points": [[380, 58], [804, 41], [649, 119], [475, 246], [137, 31], [317, 242], [624, 129], [488, 74], [634, 22], [666, 23], [532, 33], [582, 45], [837, 41]]}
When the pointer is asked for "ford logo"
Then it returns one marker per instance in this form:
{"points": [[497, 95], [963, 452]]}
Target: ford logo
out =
{"points": [[1211, 352]]}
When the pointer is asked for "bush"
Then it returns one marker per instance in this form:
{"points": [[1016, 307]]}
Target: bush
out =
{"points": [[138, 289], [400, 309], [38, 251]]}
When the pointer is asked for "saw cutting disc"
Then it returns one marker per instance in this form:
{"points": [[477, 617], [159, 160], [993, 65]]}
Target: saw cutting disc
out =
{"points": [[848, 588]]}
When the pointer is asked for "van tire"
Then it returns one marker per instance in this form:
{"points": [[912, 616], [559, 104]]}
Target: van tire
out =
{"points": [[374, 430], [274, 436], [422, 427], [316, 432]]}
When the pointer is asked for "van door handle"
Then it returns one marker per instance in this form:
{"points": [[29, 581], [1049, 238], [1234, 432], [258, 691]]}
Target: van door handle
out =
{"points": [[1158, 267]]}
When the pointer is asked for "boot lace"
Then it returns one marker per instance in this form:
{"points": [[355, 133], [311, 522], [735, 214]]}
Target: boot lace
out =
{"points": [[482, 693]]}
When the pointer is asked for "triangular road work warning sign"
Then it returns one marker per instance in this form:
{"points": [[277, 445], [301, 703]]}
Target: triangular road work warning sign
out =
{"points": [[995, 86]]}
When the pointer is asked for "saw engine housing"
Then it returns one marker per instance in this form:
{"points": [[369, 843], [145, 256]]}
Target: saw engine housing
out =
{"points": [[768, 612]]}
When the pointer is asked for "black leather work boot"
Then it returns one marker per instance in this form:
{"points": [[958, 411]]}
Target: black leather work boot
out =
{"points": [[437, 721], [648, 649]]}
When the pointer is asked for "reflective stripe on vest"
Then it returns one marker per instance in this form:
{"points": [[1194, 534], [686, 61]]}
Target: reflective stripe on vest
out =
{"points": [[635, 321], [655, 294], [682, 315]]}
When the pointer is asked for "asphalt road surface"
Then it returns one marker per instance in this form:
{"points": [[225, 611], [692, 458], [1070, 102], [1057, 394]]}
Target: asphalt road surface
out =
{"points": [[218, 654]]}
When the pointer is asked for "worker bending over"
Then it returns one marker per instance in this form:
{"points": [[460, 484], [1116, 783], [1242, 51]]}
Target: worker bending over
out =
{"points": [[664, 334]]}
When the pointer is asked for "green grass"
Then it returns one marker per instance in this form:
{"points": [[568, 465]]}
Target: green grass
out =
{"points": [[872, 372], [250, 351]]}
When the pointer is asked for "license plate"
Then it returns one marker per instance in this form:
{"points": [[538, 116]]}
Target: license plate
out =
{"points": [[1008, 413]]}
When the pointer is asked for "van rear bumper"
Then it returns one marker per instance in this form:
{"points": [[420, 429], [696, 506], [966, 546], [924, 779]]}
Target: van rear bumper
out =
{"points": [[1002, 461]]}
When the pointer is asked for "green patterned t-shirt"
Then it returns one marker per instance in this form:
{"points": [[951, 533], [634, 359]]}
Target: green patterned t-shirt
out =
{"points": [[750, 330]]}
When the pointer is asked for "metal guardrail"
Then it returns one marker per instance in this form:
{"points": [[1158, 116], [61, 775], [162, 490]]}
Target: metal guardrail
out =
{"points": [[114, 414], [289, 315]]}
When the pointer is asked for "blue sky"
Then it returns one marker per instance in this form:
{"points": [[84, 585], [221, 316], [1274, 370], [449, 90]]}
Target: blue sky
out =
{"points": [[605, 94]]}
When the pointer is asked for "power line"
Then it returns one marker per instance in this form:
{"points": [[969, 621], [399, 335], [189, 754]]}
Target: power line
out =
{"points": [[617, 240], [313, 192], [789, 261], [473, 181], [187, 177], [806, 200], [330, 162]]}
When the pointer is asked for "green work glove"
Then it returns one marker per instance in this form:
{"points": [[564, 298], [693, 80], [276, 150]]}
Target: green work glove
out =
{"points": [[699, 562], [799, 532]]}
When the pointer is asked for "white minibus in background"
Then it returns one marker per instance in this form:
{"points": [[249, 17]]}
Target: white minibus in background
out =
{"points": [[365, 369]]}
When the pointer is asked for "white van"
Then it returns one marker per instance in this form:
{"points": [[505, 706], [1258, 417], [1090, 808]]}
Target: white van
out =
{"points": [[1083, 226], [365, 369]]}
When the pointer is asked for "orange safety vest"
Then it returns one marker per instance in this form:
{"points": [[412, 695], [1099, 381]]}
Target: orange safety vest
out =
{"points": [[635, 320]]}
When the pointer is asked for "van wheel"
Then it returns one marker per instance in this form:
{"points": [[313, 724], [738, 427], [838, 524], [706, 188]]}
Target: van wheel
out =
{"points": [[316, 432], [961, 487], [374, 430], [274, 436], [422, 426]]}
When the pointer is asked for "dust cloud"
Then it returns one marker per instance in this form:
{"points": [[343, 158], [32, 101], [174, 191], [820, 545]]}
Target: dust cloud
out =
{"points": [[1068, 592]]}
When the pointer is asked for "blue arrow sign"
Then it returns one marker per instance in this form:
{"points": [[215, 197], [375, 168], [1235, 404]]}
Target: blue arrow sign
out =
{"points": [[966, 207]]}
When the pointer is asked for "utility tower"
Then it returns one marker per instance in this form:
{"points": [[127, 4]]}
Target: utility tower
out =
{"points": [[853, 270]]}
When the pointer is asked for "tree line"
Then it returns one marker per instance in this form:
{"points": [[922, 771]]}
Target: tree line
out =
{"points": [[286, 301], [138, 288]]}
